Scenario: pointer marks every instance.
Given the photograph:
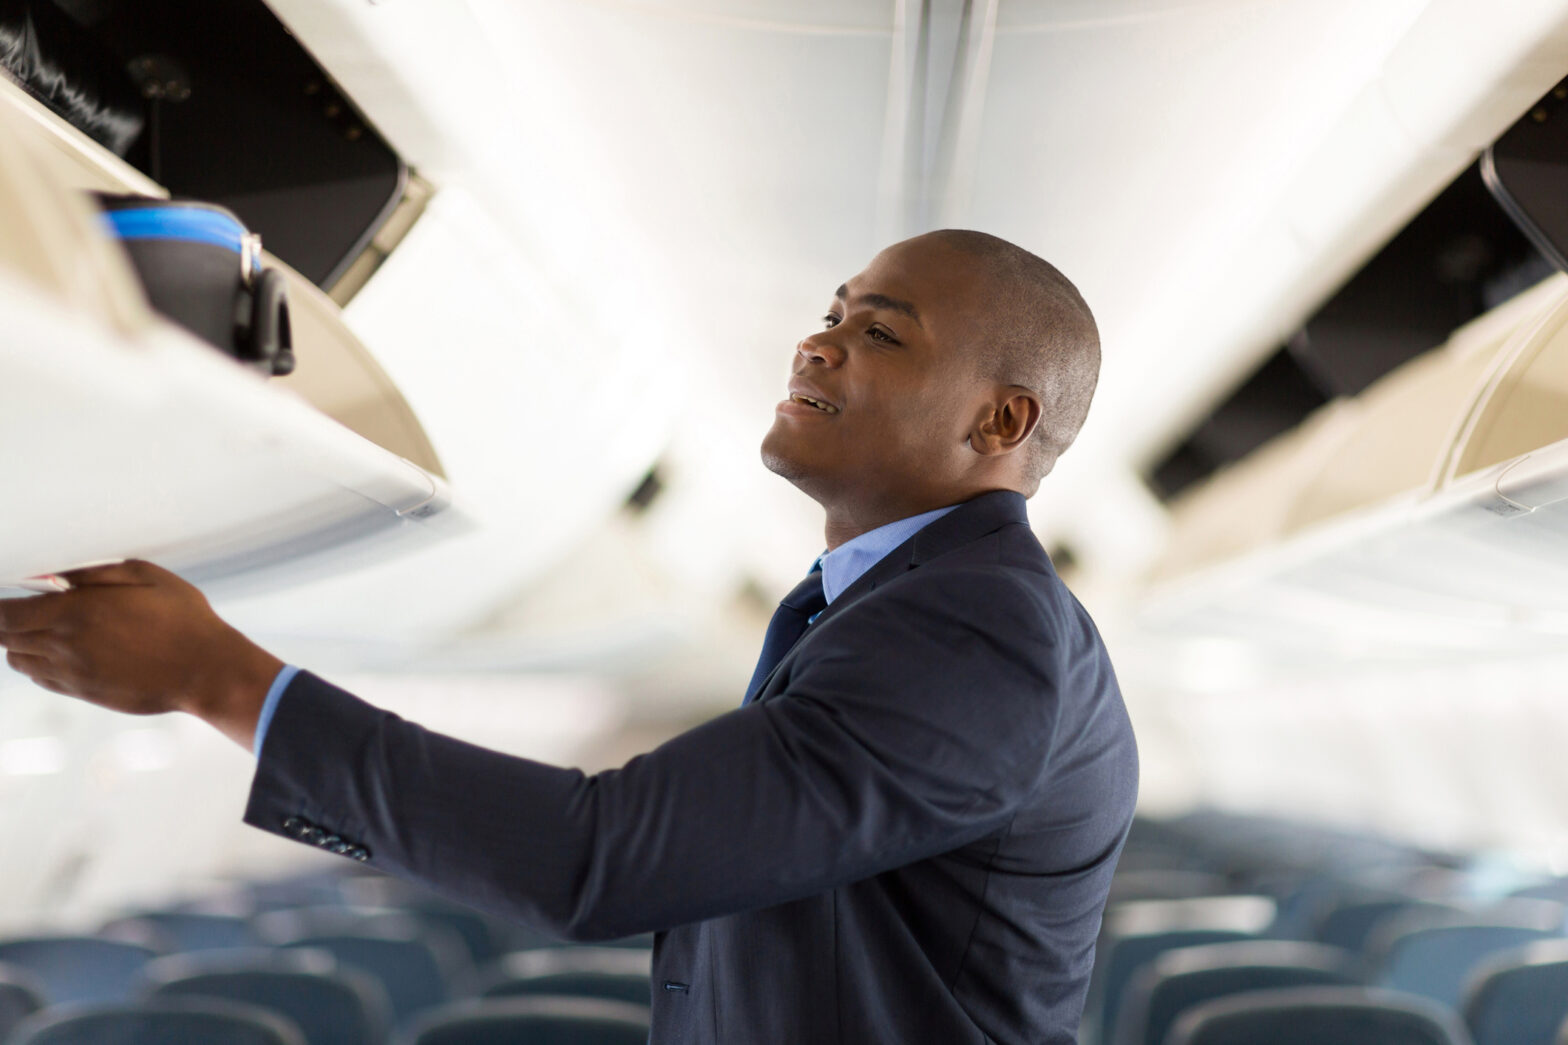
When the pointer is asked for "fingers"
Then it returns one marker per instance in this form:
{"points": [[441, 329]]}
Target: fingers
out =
{"points": [[34, 642], [39, 612], [34, 613], [29, 664], [40, 671]]}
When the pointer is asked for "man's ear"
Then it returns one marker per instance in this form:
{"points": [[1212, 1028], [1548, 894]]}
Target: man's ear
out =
{"points": [[1006, 422]]}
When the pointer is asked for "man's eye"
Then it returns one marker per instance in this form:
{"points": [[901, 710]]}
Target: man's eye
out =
{"points": [[829, 320], [878, 334]]}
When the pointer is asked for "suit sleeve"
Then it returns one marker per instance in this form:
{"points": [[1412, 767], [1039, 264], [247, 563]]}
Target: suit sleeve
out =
{"points": [[915, 726]]}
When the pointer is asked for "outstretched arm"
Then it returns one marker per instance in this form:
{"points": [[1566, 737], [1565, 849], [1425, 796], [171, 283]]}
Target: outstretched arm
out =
{"points": [[134, 637], [912, 729], [907, 729]]}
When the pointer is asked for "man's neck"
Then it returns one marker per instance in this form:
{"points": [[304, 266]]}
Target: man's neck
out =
{"points": [[843, 526], [849, 517]]}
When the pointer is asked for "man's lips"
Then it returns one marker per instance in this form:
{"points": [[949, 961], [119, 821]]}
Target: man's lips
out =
{"points": [[810, 396]]}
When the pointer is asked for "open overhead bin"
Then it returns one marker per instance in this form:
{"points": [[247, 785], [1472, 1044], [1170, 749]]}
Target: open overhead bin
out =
{"points": [[1393, 440], [126, 436], [1437, 517]]}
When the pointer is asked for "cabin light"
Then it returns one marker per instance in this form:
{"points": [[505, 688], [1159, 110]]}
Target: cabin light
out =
{"points": [[143, 750], [32, 756]]}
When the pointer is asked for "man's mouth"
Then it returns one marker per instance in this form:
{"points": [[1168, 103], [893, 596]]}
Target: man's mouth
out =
{"points": [[827, 408]]}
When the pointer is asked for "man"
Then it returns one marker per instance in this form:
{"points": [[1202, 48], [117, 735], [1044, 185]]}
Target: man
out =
{"points": [[907, 832]]}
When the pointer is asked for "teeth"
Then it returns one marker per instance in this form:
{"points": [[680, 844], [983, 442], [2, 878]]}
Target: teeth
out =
{"points": [[824, 407]]}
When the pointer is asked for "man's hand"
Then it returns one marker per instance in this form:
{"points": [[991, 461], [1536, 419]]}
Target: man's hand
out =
{"points": [[135, 638]]}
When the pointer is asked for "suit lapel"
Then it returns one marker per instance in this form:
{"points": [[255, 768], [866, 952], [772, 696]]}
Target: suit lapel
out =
{"points": [[968, 522]]}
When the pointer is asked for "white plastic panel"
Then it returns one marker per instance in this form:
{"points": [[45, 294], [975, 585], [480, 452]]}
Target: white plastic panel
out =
{"points": [[1526, 406], [163, 449]]}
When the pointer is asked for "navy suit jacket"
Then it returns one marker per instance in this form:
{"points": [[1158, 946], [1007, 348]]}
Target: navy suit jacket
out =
{"points": [[908, 837]]}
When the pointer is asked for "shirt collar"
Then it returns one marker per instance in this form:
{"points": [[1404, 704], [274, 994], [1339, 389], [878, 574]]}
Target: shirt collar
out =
{"points": [[845, 564]]}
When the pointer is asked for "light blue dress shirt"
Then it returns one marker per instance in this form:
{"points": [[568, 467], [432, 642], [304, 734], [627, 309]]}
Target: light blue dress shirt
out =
{"points": [[270, 707], [841, 567], [847, 563]]}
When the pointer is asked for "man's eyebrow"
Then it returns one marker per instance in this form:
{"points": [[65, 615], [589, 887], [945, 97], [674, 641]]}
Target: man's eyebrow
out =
{"points": [[882, 301]]}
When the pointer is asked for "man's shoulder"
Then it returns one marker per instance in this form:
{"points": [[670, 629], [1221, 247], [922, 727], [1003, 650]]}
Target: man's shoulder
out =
{"points": [[1008, 563]]}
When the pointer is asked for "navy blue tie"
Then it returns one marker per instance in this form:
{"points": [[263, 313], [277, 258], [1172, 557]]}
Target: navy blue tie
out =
{"points": [[799, 608]]}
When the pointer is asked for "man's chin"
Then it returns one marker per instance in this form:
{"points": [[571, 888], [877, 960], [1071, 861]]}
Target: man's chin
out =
{"points": [[777, 458]]}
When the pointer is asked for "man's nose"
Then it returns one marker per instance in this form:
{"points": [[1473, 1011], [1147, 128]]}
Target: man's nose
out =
{"points": [[821, 349]]}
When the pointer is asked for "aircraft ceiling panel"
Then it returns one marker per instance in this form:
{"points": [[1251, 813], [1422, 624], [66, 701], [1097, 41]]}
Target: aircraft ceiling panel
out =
{"points": [[826, 16], [1070, 15], [1142, 154]]}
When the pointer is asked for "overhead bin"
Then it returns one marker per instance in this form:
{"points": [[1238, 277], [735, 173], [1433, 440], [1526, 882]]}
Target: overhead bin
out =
{"points": [[126, 436], [1393, 441], [1406, 422], [1248, 503], [1524, 407], [1407, 541], [343, 380]]}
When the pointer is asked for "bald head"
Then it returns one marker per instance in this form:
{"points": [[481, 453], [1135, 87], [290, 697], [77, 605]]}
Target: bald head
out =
{"points": [[1037, 332]]}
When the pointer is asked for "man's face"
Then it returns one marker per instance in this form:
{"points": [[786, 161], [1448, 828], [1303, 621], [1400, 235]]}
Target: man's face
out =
{"points": [[893, 372]]}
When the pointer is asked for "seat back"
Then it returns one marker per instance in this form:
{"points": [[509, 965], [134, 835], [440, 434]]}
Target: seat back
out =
{"points": [[1180, 979], [484, 934], [195, 1021], [1437, 960], [332, 1005], [1351, 924], [1552, 889], [615, 973], [1165, 885], [186, 930], [541, 1020], [20, 996], [1123, 957], [78, 968], [412, 968], [1319, 1015], [1519, 997]]}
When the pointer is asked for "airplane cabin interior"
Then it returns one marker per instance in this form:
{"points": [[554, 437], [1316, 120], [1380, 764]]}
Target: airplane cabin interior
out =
{"points": [[434, 342]]}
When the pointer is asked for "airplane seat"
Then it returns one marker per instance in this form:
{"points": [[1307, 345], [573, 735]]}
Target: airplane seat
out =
{"points": [[21, 995], [1435, 961], [185, 1021], [311, 890], [79, 968], [1551, 889], [1304, 904], [333, 1004], [454, 940], [1356, 922], [419, 966], [1136, 932], [1314, 1015], [179, 931], [615, 973], [1166, 885], [484, 934], [540, 1020], [1519, 997], [1188, 976]]}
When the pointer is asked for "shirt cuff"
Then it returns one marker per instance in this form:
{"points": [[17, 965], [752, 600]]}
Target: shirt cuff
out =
{"points": [[270, 707]]}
